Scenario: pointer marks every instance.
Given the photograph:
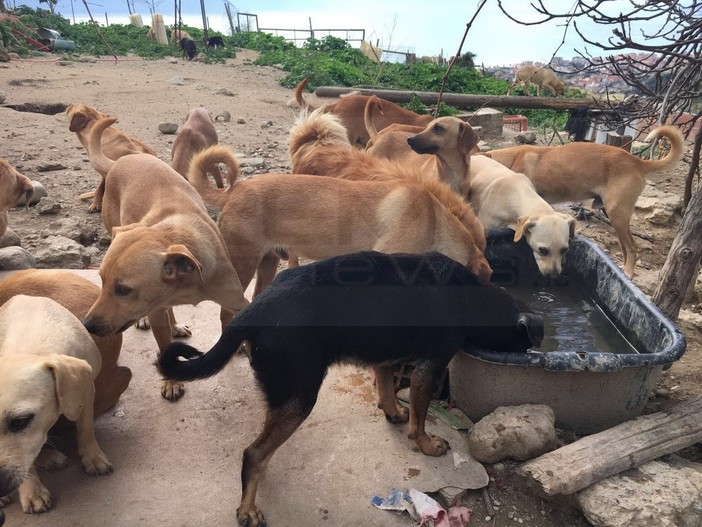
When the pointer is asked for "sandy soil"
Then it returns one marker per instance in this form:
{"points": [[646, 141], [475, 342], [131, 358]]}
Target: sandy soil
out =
{"points": [[143, 94]]}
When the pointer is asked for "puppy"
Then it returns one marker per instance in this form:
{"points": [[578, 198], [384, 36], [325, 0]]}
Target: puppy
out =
{"points": [[318, 145], [81, 119], [47, 366], [76, 294], [215, 42], [350, 111], [367, 308], [580, 171], [195, 135], [539, 75], [13, 187], [502, 198], [165, 250], [188, 47]]}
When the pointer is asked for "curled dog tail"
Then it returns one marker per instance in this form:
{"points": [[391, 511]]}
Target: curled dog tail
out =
{"points": [[182, 362], [373, 102], [677, 149], [313, 130], [302, 103], [206, 161], [101, 163]]}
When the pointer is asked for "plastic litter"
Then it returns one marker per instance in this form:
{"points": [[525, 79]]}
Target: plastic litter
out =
{"points": [[423, 509]]}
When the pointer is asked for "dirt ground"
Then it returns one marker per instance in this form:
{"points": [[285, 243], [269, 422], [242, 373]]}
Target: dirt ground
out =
{"points": [[143, 94]]}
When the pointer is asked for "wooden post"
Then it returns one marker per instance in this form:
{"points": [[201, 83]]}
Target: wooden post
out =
{"points": [[628, 445]]}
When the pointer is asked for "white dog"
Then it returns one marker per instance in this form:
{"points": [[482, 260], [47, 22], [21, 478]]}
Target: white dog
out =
{"points": [[503, 198], [48, 362]]}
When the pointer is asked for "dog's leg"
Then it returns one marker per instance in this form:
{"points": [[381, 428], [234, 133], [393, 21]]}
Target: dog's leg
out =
{"points": [[293, 261], [96, 205], [422, 386], [178, 331], [387, 400], [51, 459], [94, 460], [619, 202], [163, 333], [33, 495], [279, 426], [265, 272]]}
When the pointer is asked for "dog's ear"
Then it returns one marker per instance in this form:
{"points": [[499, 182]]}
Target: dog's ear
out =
{"points": [[571, 225], [524, 225], [79, 121], [74, 384], [467, 138], [179, 262]]}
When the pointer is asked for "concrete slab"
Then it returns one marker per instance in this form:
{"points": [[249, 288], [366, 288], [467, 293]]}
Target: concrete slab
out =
{"points": [[178, 463]]}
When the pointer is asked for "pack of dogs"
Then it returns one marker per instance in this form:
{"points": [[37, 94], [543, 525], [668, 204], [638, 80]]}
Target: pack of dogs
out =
{"points": [[390, 207]]}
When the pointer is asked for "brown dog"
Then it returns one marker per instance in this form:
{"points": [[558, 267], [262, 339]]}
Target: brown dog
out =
{"points": [[165, 249], [539, 75], [81, 119], [195, 135], [319, 217], [350, 110], [319, 146], [178, 34], [580, 171], [13, 186]]}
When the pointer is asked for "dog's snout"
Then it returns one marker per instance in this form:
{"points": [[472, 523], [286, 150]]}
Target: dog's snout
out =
{"points": [[96, 327], [411, 140]]}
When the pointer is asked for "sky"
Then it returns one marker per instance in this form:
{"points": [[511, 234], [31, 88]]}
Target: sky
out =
{"points": [[417, 26]]}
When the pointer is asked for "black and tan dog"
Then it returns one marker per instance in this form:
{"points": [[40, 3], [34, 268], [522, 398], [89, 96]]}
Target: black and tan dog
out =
{"points": [[188, 48], [368, 308]]}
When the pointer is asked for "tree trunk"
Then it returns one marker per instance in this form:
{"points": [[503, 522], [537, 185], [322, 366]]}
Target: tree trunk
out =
{"points": [[682, 261], [2, 6], [694, 166]]}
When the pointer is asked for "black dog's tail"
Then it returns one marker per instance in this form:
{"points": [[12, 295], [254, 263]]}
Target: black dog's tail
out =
{"points": [[181, 362]]}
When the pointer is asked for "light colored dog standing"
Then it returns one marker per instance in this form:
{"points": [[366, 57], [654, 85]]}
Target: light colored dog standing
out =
{"points": [[82, 119], [48, 362], [165, 250], [539, 75], [502, 198], [13, 187], [580, 171], [195, 135]]}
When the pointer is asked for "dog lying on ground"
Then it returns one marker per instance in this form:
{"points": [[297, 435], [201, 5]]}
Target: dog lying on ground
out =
{"points": [[502, 198], [350, 111], [367, 308], [318, 145], [188, 47], [47, 366], [13, 187], [580, 171], [539, 75], [165, 250], [195, 135], [81, 119], [215, 42]]}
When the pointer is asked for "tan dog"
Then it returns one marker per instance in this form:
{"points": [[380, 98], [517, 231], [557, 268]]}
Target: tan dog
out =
{"points": [[76, 294], [318, 145], [319, 217], [374, 105], [580, 171], [47, 366], [13, 186], [350, 111], [177, 34], [165, 250], [116, 143], [539, 75], [502, 198], [195, 135]]}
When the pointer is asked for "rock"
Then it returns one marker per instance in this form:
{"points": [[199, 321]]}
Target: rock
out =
{"points": [[16, 258], [266, 124], [513, 432], [525, 138], [59, 252], [225, 92], [178, 81], [48, 206], [3, 97], [252, 162], [662, 208], [655, 494], [168, 128], [72, 228], [241, 120], [9, 239], [50, 167], [39, 192], [65, 63], [223, 116]]}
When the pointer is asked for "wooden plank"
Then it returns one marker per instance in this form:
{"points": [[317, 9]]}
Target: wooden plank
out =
{"points": [[463, 100], [628, 445]]}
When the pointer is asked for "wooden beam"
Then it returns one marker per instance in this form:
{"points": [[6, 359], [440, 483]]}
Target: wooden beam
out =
{"points": [[463, 100], [628, 445]]}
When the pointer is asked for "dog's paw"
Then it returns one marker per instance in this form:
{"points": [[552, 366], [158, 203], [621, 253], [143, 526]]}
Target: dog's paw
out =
{"points": [[401, 416], [180, 331], [51, 459], [34, 497], [172, 390], [143, 323], [250, 518], [432, 445], [6, 499], [96, 464], [94, 209]]}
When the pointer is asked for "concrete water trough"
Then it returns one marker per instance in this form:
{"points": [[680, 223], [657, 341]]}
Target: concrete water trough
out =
{"points": [[604, 350]]}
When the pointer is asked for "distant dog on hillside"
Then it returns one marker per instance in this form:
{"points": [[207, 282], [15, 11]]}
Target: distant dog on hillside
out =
{"points": [[189, 48], [215, 42]]}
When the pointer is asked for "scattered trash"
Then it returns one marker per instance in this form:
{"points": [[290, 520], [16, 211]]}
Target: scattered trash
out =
{"points": [[423, 509]]}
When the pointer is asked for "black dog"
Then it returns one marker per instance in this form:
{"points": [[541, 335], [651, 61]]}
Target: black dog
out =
{"points": [[215, 42], [188, 47], [370, 308]]}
